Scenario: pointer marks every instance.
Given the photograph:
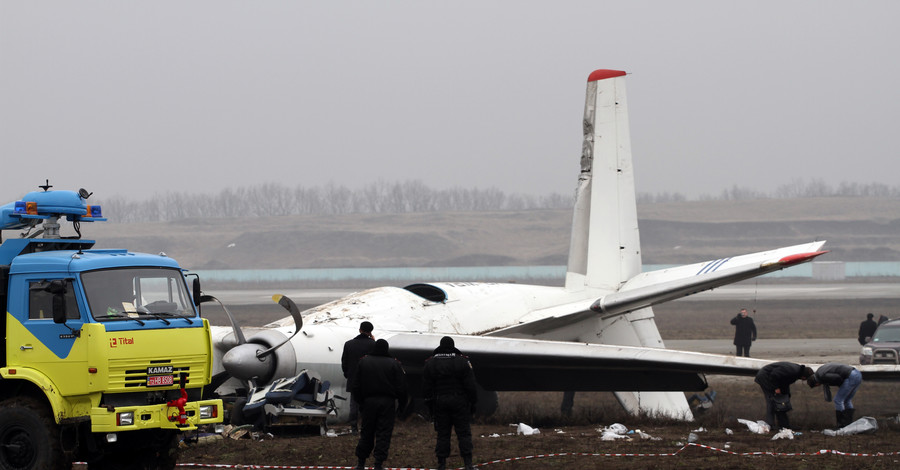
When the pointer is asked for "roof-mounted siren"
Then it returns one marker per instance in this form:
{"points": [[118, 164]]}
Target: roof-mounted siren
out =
{"points": [[48, 206]]}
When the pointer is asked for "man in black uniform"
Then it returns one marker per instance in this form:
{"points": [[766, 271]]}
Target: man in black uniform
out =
{"points": [[449, 388], [867, 329], [354, 349], [776, 379], [744, 333], [379, 385]]}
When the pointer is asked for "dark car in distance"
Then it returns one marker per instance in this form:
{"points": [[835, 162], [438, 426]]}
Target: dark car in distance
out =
{"points": [[884, 347]]}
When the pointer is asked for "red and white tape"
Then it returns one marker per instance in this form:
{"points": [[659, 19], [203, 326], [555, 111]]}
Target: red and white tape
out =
{"points": [[564, 454]]}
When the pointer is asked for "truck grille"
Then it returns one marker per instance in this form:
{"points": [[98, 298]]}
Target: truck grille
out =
{"points": [[128, 375]]}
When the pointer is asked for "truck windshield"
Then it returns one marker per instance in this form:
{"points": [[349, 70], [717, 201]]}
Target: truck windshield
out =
{"points": [[887, 334], [137, 293]]}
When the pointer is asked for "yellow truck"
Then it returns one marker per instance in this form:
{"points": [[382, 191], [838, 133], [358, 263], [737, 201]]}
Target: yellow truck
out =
{"points": [[106, 354]]}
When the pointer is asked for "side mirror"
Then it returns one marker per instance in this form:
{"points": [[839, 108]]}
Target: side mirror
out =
{"points": [[196, 287]]}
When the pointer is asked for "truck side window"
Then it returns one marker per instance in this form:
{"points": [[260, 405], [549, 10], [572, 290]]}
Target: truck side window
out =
{"points": [[40, 302]]}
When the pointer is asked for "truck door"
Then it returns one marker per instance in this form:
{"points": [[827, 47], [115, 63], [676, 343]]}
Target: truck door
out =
{"points": [[55, 349]]}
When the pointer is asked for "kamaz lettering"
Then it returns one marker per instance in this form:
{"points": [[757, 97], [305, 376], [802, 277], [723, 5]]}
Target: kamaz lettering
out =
{"points": [[160, 370]]}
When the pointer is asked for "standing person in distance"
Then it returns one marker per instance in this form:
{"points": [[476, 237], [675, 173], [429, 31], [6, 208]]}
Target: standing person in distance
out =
{"points": [[380, 387], [867, 329], [448, 384], [744, 333], [775, 379], [847, 379], [355, 349]]}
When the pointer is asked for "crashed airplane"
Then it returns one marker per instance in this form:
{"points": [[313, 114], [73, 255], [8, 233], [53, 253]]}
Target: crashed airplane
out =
{"points": [[597, 333]]}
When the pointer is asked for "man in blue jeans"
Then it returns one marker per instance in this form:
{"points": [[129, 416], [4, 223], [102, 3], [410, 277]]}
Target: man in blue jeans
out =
{"points": [[847, 379]]}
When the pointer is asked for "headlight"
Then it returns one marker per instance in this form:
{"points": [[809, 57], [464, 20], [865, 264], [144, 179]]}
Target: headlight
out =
{"points": [[866, 351], [208, 411], [125, 418]]}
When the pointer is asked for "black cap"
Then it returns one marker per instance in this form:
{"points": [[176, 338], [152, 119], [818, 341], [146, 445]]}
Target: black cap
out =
{"points": [[447, 342], [381, 348], [870, 316]]}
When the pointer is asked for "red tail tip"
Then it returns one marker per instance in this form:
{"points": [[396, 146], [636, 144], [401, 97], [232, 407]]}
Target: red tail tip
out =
{"points": [[603, 74]]}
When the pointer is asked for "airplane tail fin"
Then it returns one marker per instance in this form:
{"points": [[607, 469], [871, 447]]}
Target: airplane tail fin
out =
{"points": [[605, 246], [605, 250]]}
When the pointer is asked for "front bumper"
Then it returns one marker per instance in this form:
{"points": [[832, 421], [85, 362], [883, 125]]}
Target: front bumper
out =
{"points": [[161, 416]]}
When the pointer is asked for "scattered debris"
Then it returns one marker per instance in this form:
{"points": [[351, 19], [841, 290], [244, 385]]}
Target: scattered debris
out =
{"points": [[692, 437], [864, 425], [700, 429], [759, 427], [728, 431], [613, 431], [646, 436], [525, 429], [785, 433], [703, 402]]}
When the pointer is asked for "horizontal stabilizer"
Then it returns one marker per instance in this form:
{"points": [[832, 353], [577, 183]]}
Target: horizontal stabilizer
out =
{"points": [[653, 287]]}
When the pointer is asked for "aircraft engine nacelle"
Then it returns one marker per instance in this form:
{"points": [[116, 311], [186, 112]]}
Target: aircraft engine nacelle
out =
{"points": [[281, 362]]}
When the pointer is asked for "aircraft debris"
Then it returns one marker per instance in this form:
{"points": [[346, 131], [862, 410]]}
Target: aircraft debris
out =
{"points": [[864, 425], [759, 427]]}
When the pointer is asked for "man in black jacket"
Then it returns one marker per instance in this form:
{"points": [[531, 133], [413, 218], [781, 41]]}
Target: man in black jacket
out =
{"points": [[355, 349], [867, 329], [847, 379], [449, 388], [379, 386], [744, 332], [776, 379]]}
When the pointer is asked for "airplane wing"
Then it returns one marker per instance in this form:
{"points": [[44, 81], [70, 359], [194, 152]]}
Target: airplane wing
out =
{"points": [[505, 364]]}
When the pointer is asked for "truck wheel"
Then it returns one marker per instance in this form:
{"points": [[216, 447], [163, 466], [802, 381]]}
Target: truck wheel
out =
{"points": [[29, 437]]}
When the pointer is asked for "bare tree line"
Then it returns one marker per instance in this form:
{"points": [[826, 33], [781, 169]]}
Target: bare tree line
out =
{"points": [[273, 199], [794, 189]]}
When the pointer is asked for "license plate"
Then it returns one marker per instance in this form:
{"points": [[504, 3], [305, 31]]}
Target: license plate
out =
{"points": [[159, 380]]}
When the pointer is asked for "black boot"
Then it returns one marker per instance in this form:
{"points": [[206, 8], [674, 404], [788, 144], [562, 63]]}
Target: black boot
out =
{"points": [[361, 464], [442, 464], [839, 418], [848, 416], [467, 460]]}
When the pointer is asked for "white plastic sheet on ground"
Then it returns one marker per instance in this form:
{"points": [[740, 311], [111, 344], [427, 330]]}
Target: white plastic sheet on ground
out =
{"points": [[759, 427], [864, 425], [785, 433], [613, 431], [526, 430]]}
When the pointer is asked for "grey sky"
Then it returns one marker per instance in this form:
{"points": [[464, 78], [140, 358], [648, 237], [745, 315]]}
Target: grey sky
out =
{"points": [[136, 98]]}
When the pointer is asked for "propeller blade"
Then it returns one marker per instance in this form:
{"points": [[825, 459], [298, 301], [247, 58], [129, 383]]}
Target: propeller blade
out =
{"points": [[288, 304], [238, 334]]}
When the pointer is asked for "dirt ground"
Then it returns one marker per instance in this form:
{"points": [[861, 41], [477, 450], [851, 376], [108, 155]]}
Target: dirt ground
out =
{"points": [[574, 442]]}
